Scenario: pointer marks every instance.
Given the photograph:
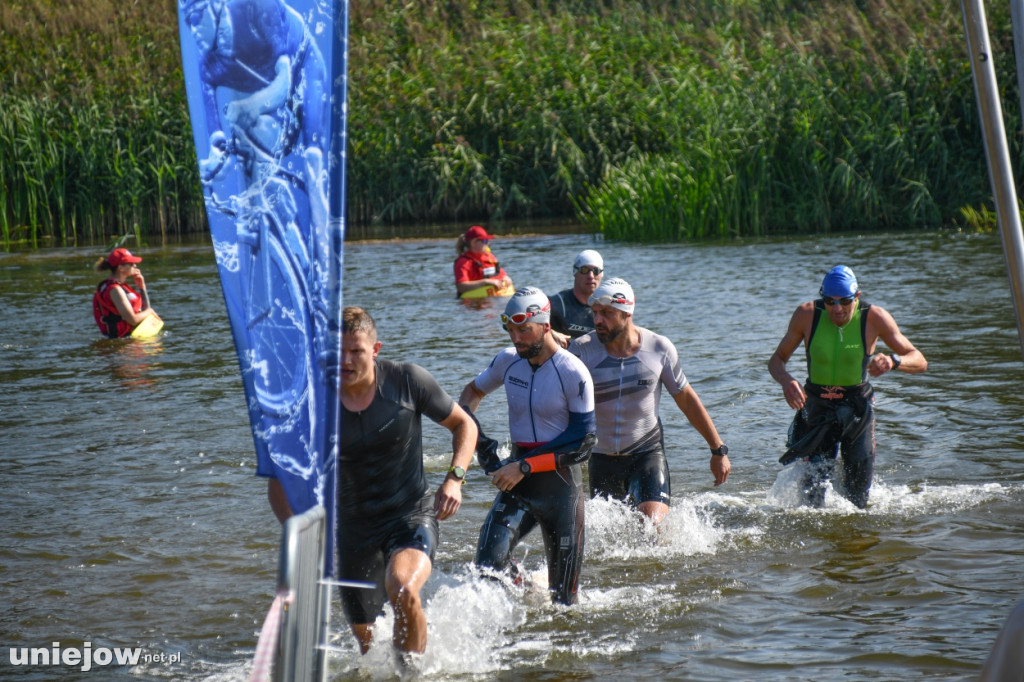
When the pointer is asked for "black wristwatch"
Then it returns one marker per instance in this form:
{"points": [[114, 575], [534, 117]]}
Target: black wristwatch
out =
{"points": [[896, 361], [525, 468], [721, 450]]}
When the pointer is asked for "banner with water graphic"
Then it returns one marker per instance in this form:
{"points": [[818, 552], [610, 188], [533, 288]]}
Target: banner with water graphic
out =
{"points": [[266, 83]]}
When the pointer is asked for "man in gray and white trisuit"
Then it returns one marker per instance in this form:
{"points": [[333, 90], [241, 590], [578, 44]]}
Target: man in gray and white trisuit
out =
{"points": [[629, 366]]}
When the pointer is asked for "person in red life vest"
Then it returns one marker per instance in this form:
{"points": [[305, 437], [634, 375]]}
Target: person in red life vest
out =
{"points": [[117, 307], [476, 266]]}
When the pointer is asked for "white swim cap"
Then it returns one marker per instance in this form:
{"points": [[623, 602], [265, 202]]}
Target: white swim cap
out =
{"points": [[615, 292], [529, 304], [588, 257]]}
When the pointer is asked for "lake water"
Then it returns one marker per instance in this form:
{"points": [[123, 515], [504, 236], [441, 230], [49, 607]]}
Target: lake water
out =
{"points": [[131, 516]]}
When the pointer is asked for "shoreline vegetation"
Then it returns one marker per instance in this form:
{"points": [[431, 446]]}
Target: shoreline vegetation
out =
{"points": [[655, 120]]}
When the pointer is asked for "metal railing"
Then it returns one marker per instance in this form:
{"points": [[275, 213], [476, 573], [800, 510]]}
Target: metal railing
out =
{"points": [[302, 639]]}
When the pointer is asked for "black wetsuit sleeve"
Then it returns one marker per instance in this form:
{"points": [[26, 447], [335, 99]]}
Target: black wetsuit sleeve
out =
{"points": [[558, 318], [573, 445]]}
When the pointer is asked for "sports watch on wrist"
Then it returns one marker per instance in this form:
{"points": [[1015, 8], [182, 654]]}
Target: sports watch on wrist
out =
{"points": [[896, 361], [458, 473], [721, 450], [525, 468]]}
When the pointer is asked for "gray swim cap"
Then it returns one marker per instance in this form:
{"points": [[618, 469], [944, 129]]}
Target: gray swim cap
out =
{"points": [[529, 304], [615, 292]]}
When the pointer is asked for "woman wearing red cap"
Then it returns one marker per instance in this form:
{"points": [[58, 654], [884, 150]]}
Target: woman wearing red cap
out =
{"points": [[117, 307], [477, 271]]}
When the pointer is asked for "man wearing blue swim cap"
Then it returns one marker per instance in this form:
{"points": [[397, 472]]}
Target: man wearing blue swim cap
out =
{"points": [[834, 407]]}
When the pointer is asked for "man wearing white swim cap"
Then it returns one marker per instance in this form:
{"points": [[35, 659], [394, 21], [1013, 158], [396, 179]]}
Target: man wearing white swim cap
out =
{"points": [[550, 400], [834, 407], [571, 316], [630, 365]]}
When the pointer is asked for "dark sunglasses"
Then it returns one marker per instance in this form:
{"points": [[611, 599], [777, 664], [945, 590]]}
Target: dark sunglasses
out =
{"points": [[587, 269], [845, 300]]}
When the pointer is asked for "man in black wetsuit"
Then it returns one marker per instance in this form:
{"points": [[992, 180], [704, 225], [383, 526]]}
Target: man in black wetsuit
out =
{"points": [[387, 517], [571, 316], [550, 400]]}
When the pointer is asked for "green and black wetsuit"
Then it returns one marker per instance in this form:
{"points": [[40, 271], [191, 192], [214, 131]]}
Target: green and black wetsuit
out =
{"points": [[838, 416]]}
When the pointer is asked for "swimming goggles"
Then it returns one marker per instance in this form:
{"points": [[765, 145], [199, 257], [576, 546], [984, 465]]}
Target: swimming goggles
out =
{"points": [[521, 318], [845, 300]]}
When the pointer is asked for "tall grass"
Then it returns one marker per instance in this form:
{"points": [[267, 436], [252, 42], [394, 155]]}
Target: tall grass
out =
{"points": [[787, 149], [649, 119], [94, 134]]}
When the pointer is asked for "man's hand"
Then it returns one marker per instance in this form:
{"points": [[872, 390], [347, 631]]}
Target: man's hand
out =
{"points": [[448, 498], [507, 477], [720, 468], [794, 393], [880, 364]]}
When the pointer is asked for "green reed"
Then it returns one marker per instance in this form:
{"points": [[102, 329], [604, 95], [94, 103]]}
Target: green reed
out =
{"points": [[660, 119]]}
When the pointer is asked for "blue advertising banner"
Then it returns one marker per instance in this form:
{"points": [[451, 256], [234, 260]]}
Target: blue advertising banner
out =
{"points": [[266, 84]]}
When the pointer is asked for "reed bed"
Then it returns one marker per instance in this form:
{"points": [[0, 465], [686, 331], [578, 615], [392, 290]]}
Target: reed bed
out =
{"points": [[651, 120]]}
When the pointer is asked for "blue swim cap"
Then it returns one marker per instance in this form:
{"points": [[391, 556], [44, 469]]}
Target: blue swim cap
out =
{"points": [[839, 282]]}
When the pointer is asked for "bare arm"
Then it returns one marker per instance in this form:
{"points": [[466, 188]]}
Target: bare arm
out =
{"points": [[124, 308], [470, 284], [471, 396], [464, 435], [799, 328], [882, 325], [690, 404]]}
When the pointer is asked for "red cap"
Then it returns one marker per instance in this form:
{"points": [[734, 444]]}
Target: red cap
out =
{"points": [[477, 232], [119, 256]]}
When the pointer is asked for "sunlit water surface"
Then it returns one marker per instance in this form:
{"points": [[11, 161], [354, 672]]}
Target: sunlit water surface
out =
{"points": [[131, 516]]}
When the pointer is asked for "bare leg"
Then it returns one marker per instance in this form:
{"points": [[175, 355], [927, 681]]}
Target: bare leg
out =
{"points": [[407, 572], [655, 511], [363, 633]]}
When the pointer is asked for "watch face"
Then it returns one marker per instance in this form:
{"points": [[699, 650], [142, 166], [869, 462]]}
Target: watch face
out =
{"points": [[524, 466], [459, 472]]}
